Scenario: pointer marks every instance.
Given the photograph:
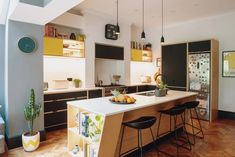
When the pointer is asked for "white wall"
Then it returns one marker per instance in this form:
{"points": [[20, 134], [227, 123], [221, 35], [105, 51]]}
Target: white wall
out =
{"points": [[220, 28], [61, 68], [105, 69], [95, 33], [139, 69], [23, 72], [2, 48]]}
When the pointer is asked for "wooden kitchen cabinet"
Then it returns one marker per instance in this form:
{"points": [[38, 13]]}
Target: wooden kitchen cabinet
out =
{"points": [[55, 107], [131, 89], [136, 55], [94, 94], [141, 55], [53, 46], [174, 65]]}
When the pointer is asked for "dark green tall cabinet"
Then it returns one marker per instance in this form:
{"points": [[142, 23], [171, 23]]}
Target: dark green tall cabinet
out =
{"points": [[174, 62], [194, 66]]}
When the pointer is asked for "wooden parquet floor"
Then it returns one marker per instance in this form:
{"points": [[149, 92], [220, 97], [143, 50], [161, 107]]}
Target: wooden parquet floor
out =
{"points": [[219, 141]]}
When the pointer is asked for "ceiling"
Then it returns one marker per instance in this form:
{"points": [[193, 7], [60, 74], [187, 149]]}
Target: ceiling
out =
{"points": [[175, 11]]}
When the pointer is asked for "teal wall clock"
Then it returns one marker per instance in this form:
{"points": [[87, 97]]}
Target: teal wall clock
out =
{"points": [[27, 45]]}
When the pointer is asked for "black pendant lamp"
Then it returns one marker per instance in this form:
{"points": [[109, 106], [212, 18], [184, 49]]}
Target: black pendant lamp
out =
{"points": [[117, 26], [162, 38], [143, 33]]}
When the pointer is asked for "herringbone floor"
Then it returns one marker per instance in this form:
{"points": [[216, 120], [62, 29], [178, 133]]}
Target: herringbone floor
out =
{"points": [[219, 142]]}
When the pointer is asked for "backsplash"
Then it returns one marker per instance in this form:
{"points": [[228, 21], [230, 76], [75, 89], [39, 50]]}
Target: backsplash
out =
{"points": [[105, 69], [61, 68], [139, 69]]}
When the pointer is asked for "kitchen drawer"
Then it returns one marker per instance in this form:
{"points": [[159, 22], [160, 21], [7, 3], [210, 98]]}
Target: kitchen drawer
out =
{"points": [[151, 87], [131, 89], [48, 97], [94, 93], [142, 88], [54, 106], [55, 118]]}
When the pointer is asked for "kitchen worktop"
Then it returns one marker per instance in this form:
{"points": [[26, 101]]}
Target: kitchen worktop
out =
{"points": [[55, 91], [104, 107]]}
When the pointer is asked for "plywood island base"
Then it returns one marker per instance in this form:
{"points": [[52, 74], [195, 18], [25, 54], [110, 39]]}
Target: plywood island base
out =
{"points": [[109, 143]]}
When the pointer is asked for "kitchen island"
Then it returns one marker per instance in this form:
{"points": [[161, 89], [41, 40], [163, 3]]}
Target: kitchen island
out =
{"points": [[114, 114]]}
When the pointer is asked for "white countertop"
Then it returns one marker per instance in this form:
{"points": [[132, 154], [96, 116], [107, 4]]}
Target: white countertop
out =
{"points": [[55, 91], [104, 107]]}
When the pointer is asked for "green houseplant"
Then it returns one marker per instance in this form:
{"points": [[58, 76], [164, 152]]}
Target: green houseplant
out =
{"points": [[77, 83], [161, 87], [31, 139]]}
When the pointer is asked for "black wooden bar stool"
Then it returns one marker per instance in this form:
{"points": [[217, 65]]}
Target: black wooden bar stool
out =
{"points": [[191, 106], [175, 112], [139, 124]]}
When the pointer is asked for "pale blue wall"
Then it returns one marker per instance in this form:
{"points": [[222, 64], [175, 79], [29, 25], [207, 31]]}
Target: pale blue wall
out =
{"points": [[40, 3], [2, 46], [23, 72]]}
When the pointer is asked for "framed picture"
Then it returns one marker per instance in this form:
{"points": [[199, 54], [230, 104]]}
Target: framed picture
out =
{"points": [[228, 64], [158, 62]]}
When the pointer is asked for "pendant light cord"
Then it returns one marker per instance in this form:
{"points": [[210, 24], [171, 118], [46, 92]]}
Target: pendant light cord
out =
{"points": [[117, 11], [162, 17], [143, 15]]}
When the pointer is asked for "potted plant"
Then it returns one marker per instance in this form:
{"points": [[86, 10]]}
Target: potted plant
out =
{"points": [[77, 83], [161, 89], [31, 139]]}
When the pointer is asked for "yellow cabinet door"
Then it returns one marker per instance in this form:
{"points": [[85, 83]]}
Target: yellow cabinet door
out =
{"points": [[53, 46], [136, 55]]}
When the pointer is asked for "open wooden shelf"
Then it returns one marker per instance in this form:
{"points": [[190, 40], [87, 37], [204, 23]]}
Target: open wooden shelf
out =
{"points": [[141, 55]]}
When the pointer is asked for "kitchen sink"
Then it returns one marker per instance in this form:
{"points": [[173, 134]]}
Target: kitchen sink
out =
{"points": [[147, 94]]}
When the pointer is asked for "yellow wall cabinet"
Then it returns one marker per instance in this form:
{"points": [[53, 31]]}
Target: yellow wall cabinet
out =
{"points": [[64, 47], [53, 46], [141, 55]]}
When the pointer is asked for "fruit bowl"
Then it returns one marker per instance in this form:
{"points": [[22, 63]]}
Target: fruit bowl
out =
{"points": [[121, 98], [119, 102]]}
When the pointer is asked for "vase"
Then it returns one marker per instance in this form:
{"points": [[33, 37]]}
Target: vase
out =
{"points": [[30, 143], [160, 92]]}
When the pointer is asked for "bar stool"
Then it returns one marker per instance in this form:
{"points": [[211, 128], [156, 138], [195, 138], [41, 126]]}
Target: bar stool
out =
{"points": [[139, 124], [191, 106], [175, 112]]}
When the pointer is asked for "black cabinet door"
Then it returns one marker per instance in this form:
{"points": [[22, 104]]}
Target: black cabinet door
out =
{"points": [[143, 88], [56, 118], [151, 87], [174, 64], [199, 46], [94, 93], [109, 52], [131, 89]]}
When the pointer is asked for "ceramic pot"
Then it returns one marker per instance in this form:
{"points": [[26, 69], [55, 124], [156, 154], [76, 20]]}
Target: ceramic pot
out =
{"points": [[160, 93], [30, 143]]}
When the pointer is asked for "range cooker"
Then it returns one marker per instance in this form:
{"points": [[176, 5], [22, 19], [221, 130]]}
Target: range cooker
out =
{"points": [[109, 88]]}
